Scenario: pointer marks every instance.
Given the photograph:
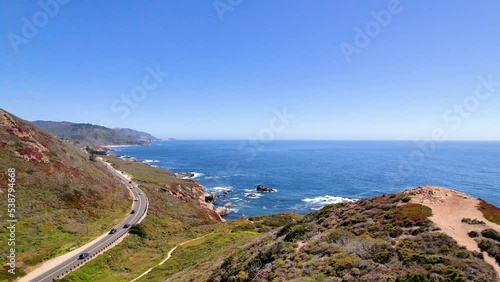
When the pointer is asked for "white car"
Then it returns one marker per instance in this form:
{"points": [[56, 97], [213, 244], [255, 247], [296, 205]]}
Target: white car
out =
{"points": [[136, 199]]}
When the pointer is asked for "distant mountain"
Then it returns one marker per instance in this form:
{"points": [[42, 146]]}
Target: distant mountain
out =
{"points": [[137, 135], [90, 134]]}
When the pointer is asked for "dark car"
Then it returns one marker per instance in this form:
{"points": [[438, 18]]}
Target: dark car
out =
{"points": [[132, 212], [83, 256], [113, 231], [126, 225]]}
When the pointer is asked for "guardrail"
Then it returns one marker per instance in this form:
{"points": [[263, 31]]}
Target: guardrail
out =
{"points": [[90, 257], [105, 248]]}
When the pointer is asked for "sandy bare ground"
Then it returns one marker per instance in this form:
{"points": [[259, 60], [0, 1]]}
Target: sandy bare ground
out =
{"points": [[449, 207]]}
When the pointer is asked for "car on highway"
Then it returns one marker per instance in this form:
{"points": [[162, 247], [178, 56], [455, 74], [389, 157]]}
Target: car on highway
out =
{"points": [[126, 225], [136, 199], [140, 193], [132, 212], [113, 231], [83, 256]]}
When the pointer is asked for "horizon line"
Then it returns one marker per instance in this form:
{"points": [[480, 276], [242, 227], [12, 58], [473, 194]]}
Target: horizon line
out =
{"points": [[339, 140]]}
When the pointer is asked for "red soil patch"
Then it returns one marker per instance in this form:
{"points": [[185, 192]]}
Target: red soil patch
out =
{"points": [[490, 212]]}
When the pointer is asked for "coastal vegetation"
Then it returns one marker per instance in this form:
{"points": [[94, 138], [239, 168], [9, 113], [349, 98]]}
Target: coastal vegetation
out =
{"points": [[490, 212], [69, 199], [489, 242], [175, 215], [63, 200], [380, 239]]}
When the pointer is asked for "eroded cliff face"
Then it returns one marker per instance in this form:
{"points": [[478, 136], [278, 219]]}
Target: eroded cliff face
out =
{"points": [[21, 139], [192, 192]]}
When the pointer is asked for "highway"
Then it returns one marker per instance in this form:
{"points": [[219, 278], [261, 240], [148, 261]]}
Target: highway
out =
{"points": [[102, 243]]}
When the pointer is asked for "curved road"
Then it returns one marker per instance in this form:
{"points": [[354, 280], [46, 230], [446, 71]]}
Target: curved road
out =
{"points": [[95, 247]]}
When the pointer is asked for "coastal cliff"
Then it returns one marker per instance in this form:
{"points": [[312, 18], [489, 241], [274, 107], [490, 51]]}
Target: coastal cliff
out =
{"points": [[189, 194], [397, 237]]}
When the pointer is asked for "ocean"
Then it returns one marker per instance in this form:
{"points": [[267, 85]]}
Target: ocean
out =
{"points": [[308, 175]]}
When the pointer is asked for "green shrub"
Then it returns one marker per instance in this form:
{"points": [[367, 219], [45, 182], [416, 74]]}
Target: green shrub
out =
{"points": [[491, 234], [244, 227], [383, 256], [453, 275], [406, 199], [138, 229], [395, 232], [473, 234], [491, 247], [344, 261], [297, 232], [340, 236]]}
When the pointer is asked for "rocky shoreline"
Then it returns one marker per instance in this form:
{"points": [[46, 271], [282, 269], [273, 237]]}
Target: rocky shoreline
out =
{"points": [[211, 198]]}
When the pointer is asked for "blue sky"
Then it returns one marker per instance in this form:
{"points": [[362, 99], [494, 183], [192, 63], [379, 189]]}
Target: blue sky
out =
{"points": [[231, 67]]}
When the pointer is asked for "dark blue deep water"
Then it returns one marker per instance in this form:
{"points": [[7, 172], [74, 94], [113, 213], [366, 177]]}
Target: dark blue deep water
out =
{"points": [[311, 174]]}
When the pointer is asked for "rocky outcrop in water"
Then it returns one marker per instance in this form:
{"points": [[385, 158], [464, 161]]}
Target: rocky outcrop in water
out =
{"points": [[261, 188], [210, 198], [185, 175]]}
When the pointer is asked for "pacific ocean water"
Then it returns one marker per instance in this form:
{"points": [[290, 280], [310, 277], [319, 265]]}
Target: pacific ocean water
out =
{"points": [[311, 174]]}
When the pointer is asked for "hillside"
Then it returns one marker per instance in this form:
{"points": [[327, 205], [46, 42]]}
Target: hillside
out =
{"points": [[388, 238], [137, 135], [89, 134], [177, 212], [62, 198]]}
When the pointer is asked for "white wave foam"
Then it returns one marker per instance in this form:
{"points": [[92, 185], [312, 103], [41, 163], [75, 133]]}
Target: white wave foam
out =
{"points": [[212, 177], [222, 188], [326, 200], [151, 161], [197, 174], [253, 195]]}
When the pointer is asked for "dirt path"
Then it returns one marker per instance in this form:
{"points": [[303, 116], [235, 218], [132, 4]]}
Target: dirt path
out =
{"points": [[449, 207], [169, 255]]}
